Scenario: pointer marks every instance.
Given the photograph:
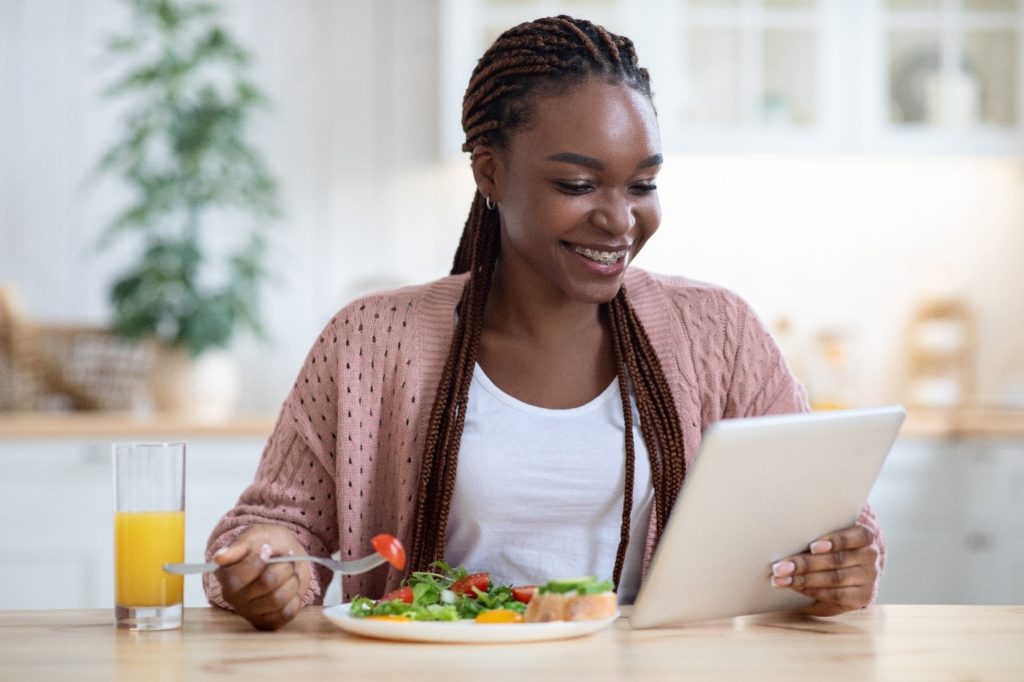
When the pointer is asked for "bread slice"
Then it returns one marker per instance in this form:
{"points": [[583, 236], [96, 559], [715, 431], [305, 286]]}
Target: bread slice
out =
{"points": [[550, 606]]}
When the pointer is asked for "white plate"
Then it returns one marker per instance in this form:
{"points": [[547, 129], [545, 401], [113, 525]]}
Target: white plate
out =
{"points": [[465, 631]]}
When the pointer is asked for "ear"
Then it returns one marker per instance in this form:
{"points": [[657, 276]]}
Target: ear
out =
{"points": [[487, 171]]}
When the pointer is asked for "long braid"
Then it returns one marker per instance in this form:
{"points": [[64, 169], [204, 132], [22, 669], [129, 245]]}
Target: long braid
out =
{"points": [[621, 349], [477, 252], [549, 52], [659, 420]]}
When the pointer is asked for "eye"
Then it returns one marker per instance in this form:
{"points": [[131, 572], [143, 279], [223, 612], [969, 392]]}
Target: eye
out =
{"points": [[644, 187], [574, 188]]}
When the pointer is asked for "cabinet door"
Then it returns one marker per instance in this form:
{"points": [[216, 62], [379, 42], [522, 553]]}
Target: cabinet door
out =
{"points": [[58, 517], [993, 527], [918, 499], [952, 514], [948, 75], [749, 74]]}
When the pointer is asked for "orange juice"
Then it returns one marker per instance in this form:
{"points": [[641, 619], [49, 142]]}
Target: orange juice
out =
{"points": [[143, 543]]}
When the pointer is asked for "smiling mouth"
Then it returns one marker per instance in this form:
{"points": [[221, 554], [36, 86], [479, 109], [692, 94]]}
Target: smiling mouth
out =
{"points": [[602, 257]]}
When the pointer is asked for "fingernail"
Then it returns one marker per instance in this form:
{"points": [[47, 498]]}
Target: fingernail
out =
{"points": [[782, 582], [781, 569], [821, 546], [220, 551], [265, 552]]}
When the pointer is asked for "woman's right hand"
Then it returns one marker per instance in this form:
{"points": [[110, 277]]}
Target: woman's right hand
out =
{"points": [[267, 595]]}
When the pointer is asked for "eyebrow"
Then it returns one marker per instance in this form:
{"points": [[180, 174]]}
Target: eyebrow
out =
{"points": [[594, 164]]}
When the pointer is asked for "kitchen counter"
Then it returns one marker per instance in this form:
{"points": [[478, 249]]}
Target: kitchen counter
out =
{"points": [[969, 422], [119, 425], [964, 423], [879, 643]]}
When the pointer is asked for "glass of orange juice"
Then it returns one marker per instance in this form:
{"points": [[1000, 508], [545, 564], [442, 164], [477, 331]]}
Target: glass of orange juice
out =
{"points": [[149, 531]]}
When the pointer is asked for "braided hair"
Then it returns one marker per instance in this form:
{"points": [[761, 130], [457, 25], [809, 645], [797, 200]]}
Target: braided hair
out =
{"points": [[545, 56]]}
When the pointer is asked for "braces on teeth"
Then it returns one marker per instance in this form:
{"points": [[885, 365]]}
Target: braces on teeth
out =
{"points": [[603, 257]]}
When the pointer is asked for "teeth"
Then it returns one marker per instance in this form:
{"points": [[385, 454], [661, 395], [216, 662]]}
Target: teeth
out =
{"points": [[603, 257]]}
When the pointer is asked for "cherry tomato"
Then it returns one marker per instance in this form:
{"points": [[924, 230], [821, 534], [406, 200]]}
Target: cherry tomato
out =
{"points": [[465, 586], [401, 594], [389, 547], [499, 616], [524, 593]]}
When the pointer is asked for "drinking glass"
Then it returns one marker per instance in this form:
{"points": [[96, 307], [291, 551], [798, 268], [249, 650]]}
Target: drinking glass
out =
{"points": [[149, 531]]}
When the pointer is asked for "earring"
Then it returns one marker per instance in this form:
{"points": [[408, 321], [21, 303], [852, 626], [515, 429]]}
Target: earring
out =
{"points": [[489, 203]]}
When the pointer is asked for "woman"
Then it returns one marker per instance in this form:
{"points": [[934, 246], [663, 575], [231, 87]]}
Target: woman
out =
{"points": [[534, 413]]}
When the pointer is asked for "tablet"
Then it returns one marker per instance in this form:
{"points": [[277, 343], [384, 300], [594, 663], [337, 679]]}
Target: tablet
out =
{"points": [[761, 489]]}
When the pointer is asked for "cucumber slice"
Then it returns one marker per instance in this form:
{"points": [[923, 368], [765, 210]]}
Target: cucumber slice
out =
{"points": [[586, 584]]}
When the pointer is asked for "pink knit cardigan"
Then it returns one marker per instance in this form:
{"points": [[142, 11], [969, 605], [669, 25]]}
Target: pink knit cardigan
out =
{"points": [[343, 462]]}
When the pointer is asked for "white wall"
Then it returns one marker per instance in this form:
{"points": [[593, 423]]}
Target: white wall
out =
{"points": [[854, 243], [828, 241], [353, 122]]}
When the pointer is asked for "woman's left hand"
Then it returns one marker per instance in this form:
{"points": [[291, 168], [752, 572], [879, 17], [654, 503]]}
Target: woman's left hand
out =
{"points": [[839, 572]]}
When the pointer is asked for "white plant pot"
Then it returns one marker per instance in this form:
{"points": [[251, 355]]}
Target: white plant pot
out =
{"points": [[205, 388]]}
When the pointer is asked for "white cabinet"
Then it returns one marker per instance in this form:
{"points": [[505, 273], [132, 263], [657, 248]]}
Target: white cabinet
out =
{"points": [[57, 515], [952, 509], [747, 74], [947, 74], [794, 75], [953, 513]]}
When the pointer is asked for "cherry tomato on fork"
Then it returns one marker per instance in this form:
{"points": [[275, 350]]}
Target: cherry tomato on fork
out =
{"points": [[389, 547]]}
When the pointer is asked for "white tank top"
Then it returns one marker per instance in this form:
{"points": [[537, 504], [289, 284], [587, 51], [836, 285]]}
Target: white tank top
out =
{"points": [[539, 492]]}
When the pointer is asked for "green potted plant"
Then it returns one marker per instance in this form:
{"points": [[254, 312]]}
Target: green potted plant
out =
{"points": [[201, 195]]}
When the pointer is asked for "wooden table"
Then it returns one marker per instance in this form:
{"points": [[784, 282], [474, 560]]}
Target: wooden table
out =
{"points": [[880, 643], [934, 423]]}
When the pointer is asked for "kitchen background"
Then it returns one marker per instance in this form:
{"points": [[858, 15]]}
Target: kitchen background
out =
{"points": [[854, 168]]}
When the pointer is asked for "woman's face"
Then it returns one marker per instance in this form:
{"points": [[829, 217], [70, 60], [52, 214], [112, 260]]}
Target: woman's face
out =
{"points": [[576, 191]]}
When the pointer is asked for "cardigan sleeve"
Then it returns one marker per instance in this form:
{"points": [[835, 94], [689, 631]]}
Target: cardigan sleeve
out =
{"points": [[295, 484], [291, 489]]}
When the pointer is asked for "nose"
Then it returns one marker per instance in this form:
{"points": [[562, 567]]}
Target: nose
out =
{"points": [[616, 215]]}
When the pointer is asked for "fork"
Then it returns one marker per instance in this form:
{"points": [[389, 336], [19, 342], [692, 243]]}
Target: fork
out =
{"points": [[343, 567]]}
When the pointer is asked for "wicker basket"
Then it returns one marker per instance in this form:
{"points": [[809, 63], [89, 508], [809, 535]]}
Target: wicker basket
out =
{"points": [[47, 366]]}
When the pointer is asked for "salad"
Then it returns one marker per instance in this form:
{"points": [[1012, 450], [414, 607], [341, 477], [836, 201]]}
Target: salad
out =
{"points": [[447, 594]]}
